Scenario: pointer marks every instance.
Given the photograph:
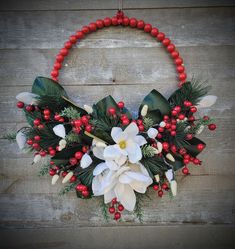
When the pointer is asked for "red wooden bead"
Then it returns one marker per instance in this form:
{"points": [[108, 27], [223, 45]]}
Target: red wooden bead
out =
{"points": [[125, 21], [73, 39], [52, 172], [140, 24], [78, 155], [73, 161], [154, 32], [178, 61], [147, 27], [57, 65], [193, 109], [99, 24], [59, 58], [170, 48], [180, 69], [79, 35], [166, 42], [175, 54], [54, 73], [20, 104], [68, 44], [64, 51], [114, 21], [182, 76], [160, 36], [133, 22], [85, 29], [212, 127], [107, 21], [121, 104], [92, 27]]}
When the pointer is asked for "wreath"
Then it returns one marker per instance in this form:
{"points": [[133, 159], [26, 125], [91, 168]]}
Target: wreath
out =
{"points": [[102, 150]]}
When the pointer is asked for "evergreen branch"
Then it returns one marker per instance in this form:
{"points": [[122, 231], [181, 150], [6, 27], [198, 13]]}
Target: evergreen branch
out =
{"points": [[10, 137], [44, 170], [72, 138], [104, 209], [198, 124], [148, 150], [138, 211], [67, 188], [70, 113], [148, 123]]}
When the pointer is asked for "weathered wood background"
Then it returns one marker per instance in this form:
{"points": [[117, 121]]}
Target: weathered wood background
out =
{"points": [[121, 62]]}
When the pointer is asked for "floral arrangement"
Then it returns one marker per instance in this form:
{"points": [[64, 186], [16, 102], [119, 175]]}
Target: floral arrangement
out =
{"points": [[102, 150]]}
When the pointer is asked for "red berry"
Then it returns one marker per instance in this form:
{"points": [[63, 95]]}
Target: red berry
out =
{"points": [[189, 136], [173, 121], [67, 45], [61, 120], [173, 127], [46, 117], [52, 152], [178, 61], [85, 193], [173, 133], [84, 120], [160, 36], [88, 128], [120, 207], [121, 104], [181, 116], [166, 42], [133, 22], [78, 155], [107, 21], [200, 147], [185, 171], [37, 121], [99, 24], [165, 146], [112, 110], [154, 32], [92, 27], [168, 126], [196, 161], [114, 21], [79, 35], [140, 24], [76, 130], [177, 108], [164, 186], [125, 121], [159, 135], [54, 73], [173, 148], [59, 58], [52, 172], [125, 21], [193, 109], [111, 210], [30, 142], [182, 76], [37, 138], [78, 122], [57, 117], [141, 128], [29, 108], [81, 187], [36, 146], [180, 69], [206, 118], [170, 48], [175, 54], [174, 112], [147, 27], [114, 201], [182, 151], [117, 215], [166, 117], [46, 112], [85, 149], [160, 193], [73, 39], [73, 178], [64, 52], [155, 187], [43, 153], [161, 129], [20, 104], [73, 161], [212, 127]]}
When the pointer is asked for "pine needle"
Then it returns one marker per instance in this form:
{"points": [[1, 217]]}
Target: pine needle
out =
{"points": [[44, 170], [10, 137], [104, 209], [148, 123], [148, 151], [138, 211], [70, 113], [67, 188]]}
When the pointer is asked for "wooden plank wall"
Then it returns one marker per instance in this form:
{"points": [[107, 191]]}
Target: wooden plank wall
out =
{"points": [[121, 62]]}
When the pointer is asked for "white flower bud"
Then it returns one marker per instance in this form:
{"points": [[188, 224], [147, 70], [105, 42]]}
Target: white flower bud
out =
{"points": [[86, 161], [173, 185], [144, 111], [152, 132], [54, 179], [88, 109], [162, 124], [170, 157], [37, 158], [67, 177], [169, 175], [157, 178], [159, 147], [62, 144]]}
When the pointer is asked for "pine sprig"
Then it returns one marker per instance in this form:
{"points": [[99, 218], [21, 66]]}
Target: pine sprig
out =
{"points": [[191, 91], [198, 124], [10, 137], [104, 209], [72, 138], [148, 123], [67, 188], [44, 170], [148, 151], [70, 113], [138, 211]]}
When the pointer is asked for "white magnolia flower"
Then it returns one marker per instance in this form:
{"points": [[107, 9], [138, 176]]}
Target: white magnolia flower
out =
{"points": [[127, 144], [152, 132], [86, 161], [28, 98], [59, 130], [21, 139], [121, 183]]}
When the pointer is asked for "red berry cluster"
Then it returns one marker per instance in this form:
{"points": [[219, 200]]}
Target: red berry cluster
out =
{"points": [[83, 190], [121, 19], [82, 124], [164, 187], [116, 209], [78, 156]]}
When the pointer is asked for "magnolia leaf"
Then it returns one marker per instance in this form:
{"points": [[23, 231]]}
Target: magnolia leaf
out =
{"points": [[207, 101]]}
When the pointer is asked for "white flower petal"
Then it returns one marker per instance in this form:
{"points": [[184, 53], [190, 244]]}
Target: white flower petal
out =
{"points": [[112, 152], [28, 98], [97, 185], [112, 165], [140, 140], [98, 152], [131, 130], [139, 186], [21, 139], [125, 194], [200, 130], [138, 176], [121, 160], [59, 130], [116, 134], [86, 161], [152, 132], [125, 179], [207, 101], [134, 152], [157, 178], [108, 196], [99, 169]]}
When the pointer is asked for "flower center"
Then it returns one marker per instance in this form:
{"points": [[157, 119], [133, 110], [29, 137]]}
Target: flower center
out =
{"points": [[122, 144]]}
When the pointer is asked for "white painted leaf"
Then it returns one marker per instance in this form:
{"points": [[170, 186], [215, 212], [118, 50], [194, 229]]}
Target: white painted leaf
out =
{"points": [[59, 130], [21, 139], [169, 175], [159, 147], [86, 161], [170, 157], [157, 178], [88, 109], [200, 130], [54, 179], [207, 101], [67, 177], [173, 185], [152, 132], [28, 98], [144, 110]]}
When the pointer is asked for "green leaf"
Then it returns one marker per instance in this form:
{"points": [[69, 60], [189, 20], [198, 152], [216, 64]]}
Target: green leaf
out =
{"points": [[192, 146], [178, 162], [157, 105]]}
